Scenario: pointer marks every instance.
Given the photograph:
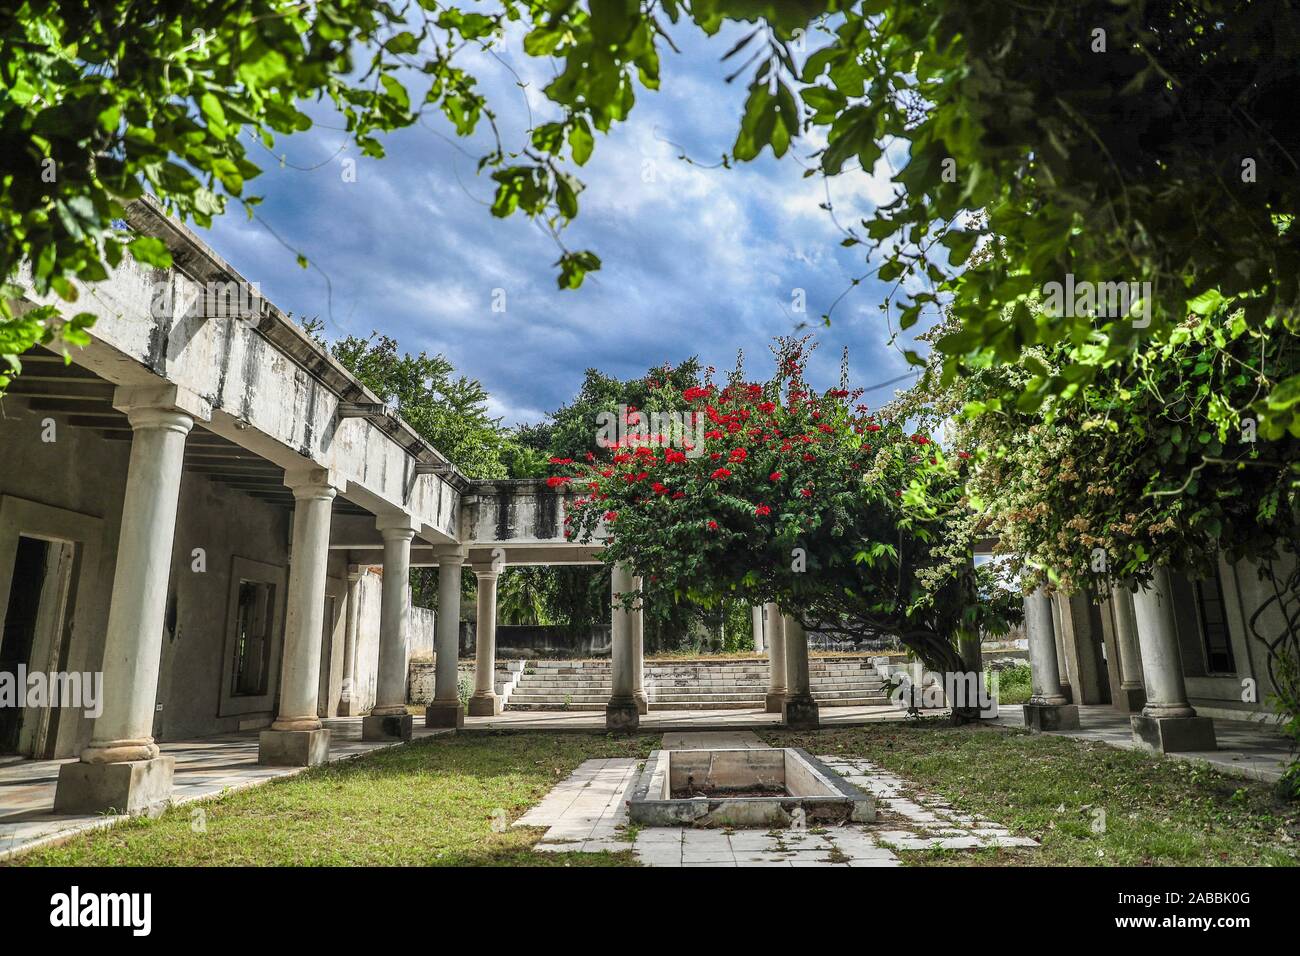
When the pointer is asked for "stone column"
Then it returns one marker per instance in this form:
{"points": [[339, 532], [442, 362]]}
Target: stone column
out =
{"points": [[485, 702], [638, 650], [756, 623], [1058, 638], [350, 697], [1048, 708], [775, 658], [446, 709], [798, 709], [621, 713], [297, 737], [1130, 696], [389, 720], [121, 769], [1168, 723]]}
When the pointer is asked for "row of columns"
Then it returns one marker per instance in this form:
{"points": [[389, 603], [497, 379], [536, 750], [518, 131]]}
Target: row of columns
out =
{"points": [[789, 689], [1146, 639], [121, 769]]}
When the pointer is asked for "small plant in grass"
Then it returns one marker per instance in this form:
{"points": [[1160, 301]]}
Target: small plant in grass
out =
{"points": [[464, 687]]}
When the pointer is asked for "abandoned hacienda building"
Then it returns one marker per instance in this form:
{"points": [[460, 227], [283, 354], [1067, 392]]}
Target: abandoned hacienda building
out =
{"points": [[208, 510]]}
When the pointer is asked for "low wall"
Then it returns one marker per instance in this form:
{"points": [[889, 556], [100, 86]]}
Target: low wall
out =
{"points": [[530, 642]]}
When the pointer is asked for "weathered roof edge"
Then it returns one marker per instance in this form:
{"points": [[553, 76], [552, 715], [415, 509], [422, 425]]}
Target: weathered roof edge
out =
{"points": [[197, 259]]}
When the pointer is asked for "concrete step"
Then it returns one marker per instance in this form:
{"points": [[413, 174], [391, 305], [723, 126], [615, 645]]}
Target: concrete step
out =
{"points": [[525, 697], [690, 685], [737, 667], [549, 707]]}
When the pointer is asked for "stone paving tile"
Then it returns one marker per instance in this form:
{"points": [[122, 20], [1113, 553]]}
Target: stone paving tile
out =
{"points": [[713, 740], [590, 808], [936, 825]]}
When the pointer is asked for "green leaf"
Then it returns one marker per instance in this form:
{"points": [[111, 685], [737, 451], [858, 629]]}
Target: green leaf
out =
{"points": [[151, 251]]}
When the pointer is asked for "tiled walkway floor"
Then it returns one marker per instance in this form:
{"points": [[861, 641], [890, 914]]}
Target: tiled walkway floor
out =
{"points": [[1246, 748], [587, 813], [203, 768]]}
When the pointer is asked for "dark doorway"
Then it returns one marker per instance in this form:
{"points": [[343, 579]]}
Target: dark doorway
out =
{"points": [[326, 653], [21, 618]]}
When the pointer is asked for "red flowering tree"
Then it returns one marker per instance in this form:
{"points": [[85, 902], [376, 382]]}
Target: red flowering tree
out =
{"points": [[802, 498]]}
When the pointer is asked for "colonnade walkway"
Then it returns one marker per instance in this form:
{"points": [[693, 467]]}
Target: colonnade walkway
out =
{"points": [[1246, 748], [205, 767]]}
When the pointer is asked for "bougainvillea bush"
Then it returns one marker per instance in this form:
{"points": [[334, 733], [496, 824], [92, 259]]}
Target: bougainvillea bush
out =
{"points": [[800, 497]]}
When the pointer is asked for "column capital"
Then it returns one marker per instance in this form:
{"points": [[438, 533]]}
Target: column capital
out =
{"points": [[162, 398], [452, 555], [356, 572], [397, 524], [313, 481], [484, 572]]}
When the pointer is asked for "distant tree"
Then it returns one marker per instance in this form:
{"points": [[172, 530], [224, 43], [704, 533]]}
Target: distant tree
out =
{"points": [[447, 409]]}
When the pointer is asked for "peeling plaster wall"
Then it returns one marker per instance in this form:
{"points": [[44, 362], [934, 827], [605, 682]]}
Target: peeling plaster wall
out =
{"points": [[421, 634], [369, 594]]}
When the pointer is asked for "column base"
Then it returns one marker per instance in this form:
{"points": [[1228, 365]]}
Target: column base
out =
{"points": [[642, 703], [1128, 700], [293, 748], [1041, 717], [622, 714], [800, 713], [136, 786], [1174, 734], [489, 705], [387, 727], [444, 713], [350, 708], [774, 701], [1067, 692]]}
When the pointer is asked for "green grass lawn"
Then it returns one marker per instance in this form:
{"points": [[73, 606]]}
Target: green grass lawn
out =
{"points": [[429, 803], [1087, 803], [433, 802]]}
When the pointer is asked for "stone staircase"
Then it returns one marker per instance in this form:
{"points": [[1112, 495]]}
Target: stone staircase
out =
{"points": [[692, 685]]}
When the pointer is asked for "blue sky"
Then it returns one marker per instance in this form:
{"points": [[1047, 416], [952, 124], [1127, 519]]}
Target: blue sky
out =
{"points": [[696, 261]]}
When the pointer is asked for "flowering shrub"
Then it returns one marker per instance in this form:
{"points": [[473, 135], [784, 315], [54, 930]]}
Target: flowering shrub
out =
{"points": [[1129, 471], [798, 497]]}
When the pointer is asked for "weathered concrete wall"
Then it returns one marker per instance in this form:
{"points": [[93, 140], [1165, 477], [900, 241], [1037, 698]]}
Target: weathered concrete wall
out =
{"points": [[1243, 594], [530, 642], [512, 513], [277, 406], [369, 595], [55, 474], [420, 682], [84, 473], [197, 656], [421, 634]]}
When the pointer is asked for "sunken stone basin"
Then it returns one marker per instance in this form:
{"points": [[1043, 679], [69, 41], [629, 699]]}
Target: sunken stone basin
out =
{"points": [[770, 787]]}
